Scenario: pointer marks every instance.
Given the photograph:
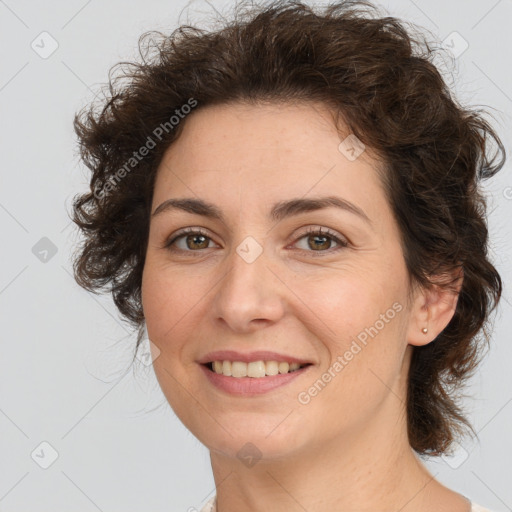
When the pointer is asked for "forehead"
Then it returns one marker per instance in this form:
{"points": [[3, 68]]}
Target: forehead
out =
{"points": [[266, 152]]}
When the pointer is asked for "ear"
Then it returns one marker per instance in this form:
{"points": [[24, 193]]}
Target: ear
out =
{"points": [[433, 308]]}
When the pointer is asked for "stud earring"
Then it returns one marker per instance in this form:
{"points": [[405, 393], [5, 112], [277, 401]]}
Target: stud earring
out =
{"points": [[424, 330]]}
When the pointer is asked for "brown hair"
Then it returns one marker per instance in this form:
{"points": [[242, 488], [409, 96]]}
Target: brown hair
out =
{"points": [[383, 83]]}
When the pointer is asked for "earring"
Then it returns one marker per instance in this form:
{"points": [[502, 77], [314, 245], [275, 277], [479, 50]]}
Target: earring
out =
{"points": [[424, 330]]}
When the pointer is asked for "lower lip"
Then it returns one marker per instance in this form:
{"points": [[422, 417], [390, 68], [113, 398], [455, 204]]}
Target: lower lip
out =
{"points": [[248, 386]]}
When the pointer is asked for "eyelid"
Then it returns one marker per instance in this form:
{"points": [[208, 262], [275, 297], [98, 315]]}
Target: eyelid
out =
{"points": [[192, 230], [321, 231]]}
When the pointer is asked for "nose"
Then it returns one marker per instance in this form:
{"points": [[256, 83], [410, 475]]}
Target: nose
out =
{"points": [[250, 295]]}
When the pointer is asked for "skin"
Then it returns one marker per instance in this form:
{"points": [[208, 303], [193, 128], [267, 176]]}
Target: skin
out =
{"points": [[347, 449]]}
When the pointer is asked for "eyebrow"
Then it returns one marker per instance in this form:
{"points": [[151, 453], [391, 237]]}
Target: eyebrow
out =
{"points": [[279, 211]]}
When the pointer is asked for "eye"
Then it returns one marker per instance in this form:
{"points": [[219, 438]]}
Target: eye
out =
{"points": [[194, 239], [320, 241]]}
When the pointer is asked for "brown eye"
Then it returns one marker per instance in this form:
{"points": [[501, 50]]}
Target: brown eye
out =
{"points": [[189, 240], [196, 241], [321, 241]]}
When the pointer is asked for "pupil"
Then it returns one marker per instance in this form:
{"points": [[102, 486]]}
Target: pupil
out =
{"points": [[194, 239]]}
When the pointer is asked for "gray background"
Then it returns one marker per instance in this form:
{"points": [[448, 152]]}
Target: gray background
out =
{"points": [[64, 370]]}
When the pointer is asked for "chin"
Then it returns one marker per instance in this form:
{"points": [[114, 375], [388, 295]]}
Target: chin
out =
{"points": [[254, 439]]}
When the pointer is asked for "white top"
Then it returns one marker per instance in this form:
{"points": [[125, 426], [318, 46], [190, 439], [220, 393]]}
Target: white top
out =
{"points": [[210, 507]]}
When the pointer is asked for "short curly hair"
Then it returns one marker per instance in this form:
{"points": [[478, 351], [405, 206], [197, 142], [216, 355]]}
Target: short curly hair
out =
{"points": [[383, 82]]}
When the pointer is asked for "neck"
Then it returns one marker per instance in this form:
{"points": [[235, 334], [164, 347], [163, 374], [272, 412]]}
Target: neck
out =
{"points": [[371, 468]]}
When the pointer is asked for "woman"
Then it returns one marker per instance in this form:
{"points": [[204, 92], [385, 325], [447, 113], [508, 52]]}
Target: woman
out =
{"points": [[290, 207]]}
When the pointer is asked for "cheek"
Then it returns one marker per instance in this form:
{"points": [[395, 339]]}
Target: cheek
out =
{"points": [[342, 304], [358, 321], [167, 297], [168, 303], [164, 302]]}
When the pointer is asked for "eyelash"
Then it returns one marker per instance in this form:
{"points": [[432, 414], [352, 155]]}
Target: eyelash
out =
{"points": [[310, 232]]}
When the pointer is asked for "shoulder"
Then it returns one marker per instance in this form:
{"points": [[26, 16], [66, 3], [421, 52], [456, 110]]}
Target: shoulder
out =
{"points": [[478, 508], [210, 506]]}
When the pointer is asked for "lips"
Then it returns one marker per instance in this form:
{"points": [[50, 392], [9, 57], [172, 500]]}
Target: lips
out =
{"points": [[249, 357], [251, 387]]}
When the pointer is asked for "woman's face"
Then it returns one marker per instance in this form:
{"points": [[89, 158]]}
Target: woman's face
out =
{"points": [[254, 281]]}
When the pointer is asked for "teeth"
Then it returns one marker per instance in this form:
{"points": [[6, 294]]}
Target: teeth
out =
{"points": [[225, 368], [238, 369], [254, 369]]}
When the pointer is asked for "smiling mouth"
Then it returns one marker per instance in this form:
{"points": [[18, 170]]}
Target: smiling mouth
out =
{"points": [[254, 369]]}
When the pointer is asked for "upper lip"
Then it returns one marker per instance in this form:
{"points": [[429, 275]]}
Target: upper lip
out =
{"points": [[248, 357]]}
